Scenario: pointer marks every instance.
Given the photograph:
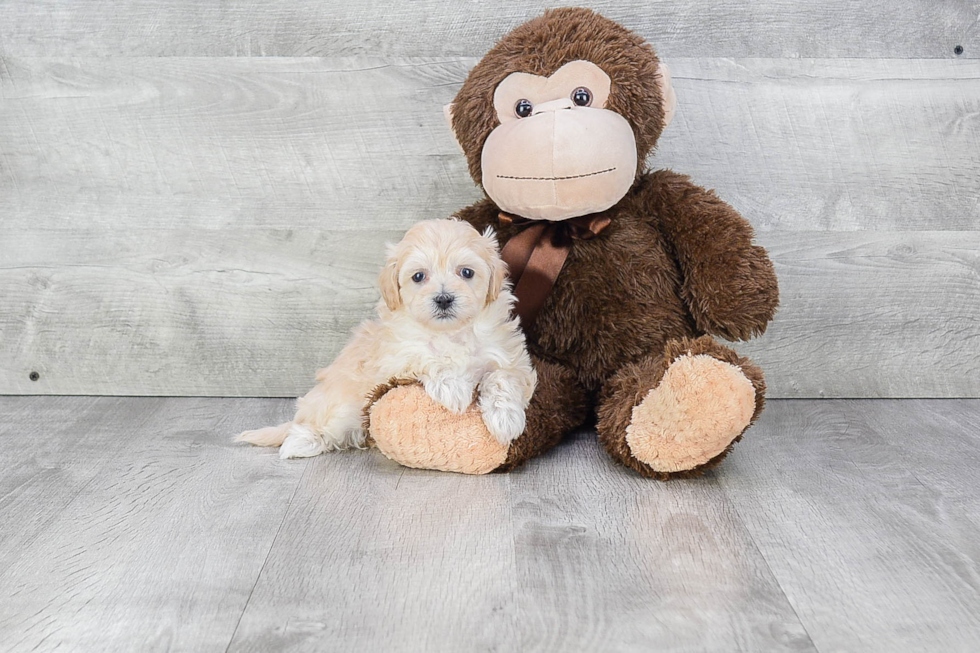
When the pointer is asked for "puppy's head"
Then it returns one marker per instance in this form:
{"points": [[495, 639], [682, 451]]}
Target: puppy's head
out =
{"points": [[443, 273]]}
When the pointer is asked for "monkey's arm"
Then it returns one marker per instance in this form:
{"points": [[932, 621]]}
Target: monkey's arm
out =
{"points": [[729, 283]]}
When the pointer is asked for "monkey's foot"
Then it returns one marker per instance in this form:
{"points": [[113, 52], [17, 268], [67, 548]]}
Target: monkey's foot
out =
{"points": [[407, 426], [697, 411]]}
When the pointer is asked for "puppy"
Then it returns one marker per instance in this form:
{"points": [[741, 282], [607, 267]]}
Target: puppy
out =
{"points": [[445, 319]]}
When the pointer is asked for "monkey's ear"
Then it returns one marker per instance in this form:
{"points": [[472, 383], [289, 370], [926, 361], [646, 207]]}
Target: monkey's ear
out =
{"points": [[667, 89], [447, 112]]}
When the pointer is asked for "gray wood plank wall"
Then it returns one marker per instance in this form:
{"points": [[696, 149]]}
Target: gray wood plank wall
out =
{"points": [[193, 196]]}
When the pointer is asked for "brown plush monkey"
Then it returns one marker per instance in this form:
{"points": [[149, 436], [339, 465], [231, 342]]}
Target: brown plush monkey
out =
{"points": [[622, 275]]}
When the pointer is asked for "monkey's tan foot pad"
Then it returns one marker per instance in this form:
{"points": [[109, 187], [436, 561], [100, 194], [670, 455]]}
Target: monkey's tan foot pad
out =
{"points": [[410, 428], [700, 407]]}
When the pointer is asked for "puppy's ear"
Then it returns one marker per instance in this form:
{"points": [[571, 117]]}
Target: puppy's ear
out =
{"points": [[498, 269], [388, 281]]}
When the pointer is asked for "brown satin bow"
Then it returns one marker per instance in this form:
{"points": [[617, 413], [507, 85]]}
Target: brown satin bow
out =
{"points": [[536, 255]]}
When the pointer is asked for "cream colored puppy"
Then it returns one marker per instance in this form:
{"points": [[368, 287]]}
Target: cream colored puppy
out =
{"points": [[445, 319]]}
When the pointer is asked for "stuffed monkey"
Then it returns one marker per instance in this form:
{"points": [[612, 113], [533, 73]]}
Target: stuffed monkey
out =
{"points": [[623, 276]]}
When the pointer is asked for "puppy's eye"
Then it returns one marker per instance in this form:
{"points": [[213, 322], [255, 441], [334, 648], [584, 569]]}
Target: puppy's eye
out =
{"points": [[523, 108], [418, 277], [466, 273], [582, 96]]}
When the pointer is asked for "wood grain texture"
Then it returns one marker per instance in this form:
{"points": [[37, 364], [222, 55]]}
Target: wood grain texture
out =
{"points": [[609, 561], [873, 553], [873, 314], [161, 548], [725, 28], [360, 143], [377, 557], [833, 526], [213, 226], [550, 559], [354, 143], [948, 467], [836, 145], [50, 452], [180, 312], [255, 312]]}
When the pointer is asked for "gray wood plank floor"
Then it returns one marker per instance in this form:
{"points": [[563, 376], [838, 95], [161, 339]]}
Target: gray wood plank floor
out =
{"points": [[135, 524]]}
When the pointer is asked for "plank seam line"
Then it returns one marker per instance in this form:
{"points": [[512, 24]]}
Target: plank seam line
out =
{"points": [[268, 554], [765, 561]]}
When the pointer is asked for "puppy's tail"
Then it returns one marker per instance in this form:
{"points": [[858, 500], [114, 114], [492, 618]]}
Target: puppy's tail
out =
{"points": [[270, 436]]}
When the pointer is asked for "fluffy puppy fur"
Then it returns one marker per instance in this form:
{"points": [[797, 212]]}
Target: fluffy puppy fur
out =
{"points": [[445, 319]]}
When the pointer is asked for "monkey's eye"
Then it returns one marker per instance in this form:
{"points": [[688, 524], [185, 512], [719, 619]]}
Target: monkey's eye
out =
{"points": [[466, 273], [582, 96], [523, 108], [418, 277]]}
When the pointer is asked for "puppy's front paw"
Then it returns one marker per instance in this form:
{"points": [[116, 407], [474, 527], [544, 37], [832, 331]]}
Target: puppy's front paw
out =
{"points": [[504, 420], [301, 442], [502, 403], [454, 393]]}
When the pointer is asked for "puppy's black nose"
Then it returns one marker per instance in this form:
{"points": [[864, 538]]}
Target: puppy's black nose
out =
{"points": [[444, 301]]}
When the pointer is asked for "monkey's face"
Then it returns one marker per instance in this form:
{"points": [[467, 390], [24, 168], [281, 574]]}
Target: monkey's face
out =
{"points": [[558, 152], [557, 119]]}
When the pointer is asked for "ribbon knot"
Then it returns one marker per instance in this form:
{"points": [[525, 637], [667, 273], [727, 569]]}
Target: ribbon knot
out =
{"points": [[537, 253]]}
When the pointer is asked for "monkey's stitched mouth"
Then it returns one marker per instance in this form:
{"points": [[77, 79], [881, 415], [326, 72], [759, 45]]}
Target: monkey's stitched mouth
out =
{"points": [[588, 174]]}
